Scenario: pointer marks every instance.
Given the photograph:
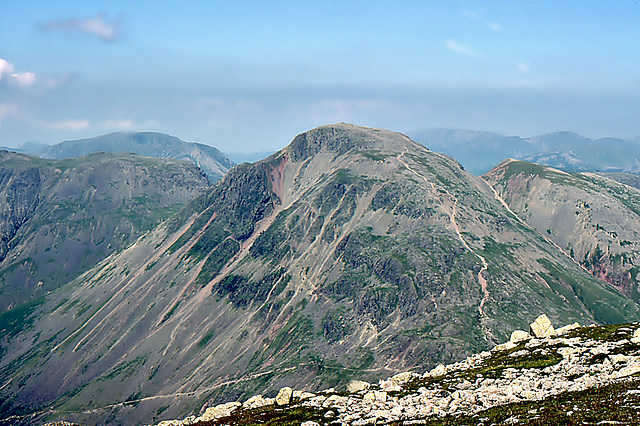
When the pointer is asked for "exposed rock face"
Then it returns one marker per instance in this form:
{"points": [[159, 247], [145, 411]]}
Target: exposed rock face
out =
{"points": [[352, 250], [594, 219], [542, 327], [60, 218]]}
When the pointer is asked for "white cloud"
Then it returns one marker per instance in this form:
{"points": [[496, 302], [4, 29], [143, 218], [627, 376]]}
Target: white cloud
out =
{"points": [[461, 49], [523, 67], [6, 68], [20, 79], [96, 26], [494, 27], [24, 79]]}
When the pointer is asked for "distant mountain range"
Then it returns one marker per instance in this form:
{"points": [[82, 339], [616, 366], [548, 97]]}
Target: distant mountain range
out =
{"points": [[149, 144], [481, 151], [353, 253]]}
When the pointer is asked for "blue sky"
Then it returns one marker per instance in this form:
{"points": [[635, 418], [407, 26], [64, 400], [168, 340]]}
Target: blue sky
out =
{"points": [[248, 75]]}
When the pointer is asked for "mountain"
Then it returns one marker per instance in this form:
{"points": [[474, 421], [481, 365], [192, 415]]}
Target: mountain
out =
{"points": [[479, 152], [595, 219], [59, 218], [351, 253], [575, 153], [149, 144]]}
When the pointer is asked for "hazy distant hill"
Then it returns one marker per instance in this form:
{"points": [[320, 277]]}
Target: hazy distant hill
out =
{"points": [[480, 151], [351, 253], [149, 144], [477, 151]]}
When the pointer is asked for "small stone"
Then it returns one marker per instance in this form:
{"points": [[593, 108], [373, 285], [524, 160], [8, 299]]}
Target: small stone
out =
{"points": [[306, 395], [440, 370], [309, 423], [255, 401], [357, 385], [390, 386], [504, 346], [403, 378], [329, 414], [284, 396], [519, 336], [542, 327], [567, 328], [219, 411]]}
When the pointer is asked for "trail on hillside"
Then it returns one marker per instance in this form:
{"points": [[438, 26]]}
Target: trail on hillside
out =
{"points": [[454, 224]]}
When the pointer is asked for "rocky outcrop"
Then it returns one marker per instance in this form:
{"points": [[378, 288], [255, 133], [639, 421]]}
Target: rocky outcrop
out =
{"points": [[542, 327], [534, 369]]}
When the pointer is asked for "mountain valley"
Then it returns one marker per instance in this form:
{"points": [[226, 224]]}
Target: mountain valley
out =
{"points": [[353, 253]]}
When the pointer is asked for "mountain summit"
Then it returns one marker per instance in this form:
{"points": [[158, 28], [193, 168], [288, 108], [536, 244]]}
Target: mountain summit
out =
{"points": [[351, 253], [149, 144]]}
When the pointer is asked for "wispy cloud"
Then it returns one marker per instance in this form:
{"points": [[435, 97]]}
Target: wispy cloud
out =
{"points": [[126, 124], [25, 79], [96, 26], [523, 67], [461, 49], [475, 16], [81, 124]]}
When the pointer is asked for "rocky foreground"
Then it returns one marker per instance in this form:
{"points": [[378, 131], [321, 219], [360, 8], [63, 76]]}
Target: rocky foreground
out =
{"points": [[572, 375]]}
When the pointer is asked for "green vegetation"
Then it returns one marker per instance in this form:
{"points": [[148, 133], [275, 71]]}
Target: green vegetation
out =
{"points": [[13, 321], [607, 305]]}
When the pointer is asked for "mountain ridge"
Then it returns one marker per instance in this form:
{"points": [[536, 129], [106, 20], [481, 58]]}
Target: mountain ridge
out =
{"points": [[353, 252], [151, 144]]}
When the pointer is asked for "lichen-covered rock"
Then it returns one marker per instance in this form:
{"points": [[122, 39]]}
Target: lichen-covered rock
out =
{"points": [[219, 411], [357, 386], [542, 327], [284, 396], [566, 329], [255, 401], [519, 336], [440, 370]]}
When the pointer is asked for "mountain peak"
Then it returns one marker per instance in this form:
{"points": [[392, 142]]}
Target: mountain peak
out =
{"points": [[343, 137]]}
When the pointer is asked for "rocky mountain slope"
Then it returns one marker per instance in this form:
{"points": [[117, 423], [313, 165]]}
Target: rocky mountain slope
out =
{"points": [[149, 144], [593, 218], [59, 218], [481, 151], [351, 253], [573, 375]]}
